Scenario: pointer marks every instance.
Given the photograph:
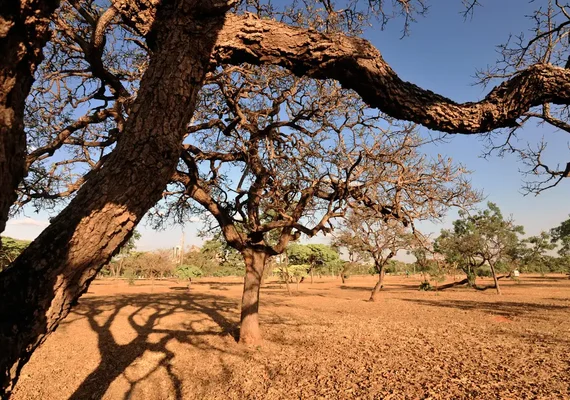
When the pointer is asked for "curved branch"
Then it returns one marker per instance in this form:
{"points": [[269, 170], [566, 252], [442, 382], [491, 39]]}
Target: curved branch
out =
{"points": [[358, 65], [61, 138]]}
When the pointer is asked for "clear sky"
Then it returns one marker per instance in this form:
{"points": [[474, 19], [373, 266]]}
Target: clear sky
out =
{"points": [[441, 54]]}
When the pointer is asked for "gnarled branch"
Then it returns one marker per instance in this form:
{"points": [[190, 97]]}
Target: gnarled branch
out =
{"points": [[358, 65]]}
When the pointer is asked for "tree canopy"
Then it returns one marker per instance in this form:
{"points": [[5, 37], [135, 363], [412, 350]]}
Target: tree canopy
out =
{"points": [[561, 234], [484, 238]]}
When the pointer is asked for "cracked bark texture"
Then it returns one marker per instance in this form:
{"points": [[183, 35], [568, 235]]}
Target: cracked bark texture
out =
{"points": [[358, 65], [39, 289], [24, 30]]}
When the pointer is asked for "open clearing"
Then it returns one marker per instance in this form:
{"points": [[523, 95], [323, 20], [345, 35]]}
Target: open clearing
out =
{"points": [[159, 341]]}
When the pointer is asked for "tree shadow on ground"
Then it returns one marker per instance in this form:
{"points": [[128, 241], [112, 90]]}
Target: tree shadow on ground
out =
{"points": [[275, 287], [542, 337], [218, 283], [147, 312], [540, 284], [503, 308], [545, 278], [385, 288]]}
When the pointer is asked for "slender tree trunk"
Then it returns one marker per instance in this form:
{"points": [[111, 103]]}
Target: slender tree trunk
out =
{"points": [[287, 284], [379, 284], [249, 332], [42, 285], [497, 287], [120, 268], [287, 278], [24, 30], [312, 273]]}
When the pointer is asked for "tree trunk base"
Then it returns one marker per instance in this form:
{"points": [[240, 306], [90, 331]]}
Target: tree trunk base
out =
{"points": [[250, 334], [379, 285]]}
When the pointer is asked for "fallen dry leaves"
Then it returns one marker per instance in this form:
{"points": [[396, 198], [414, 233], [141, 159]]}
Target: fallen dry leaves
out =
{"points": [[159, 341]]}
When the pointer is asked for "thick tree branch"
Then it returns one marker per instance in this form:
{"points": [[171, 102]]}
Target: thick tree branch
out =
{"points": [[358, 65]]}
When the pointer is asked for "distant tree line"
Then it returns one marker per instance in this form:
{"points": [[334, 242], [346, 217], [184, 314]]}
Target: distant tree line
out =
{"points": [[486, 243]]}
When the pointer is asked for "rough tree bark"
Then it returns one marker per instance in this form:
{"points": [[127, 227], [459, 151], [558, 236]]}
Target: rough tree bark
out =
{"points": [[40, 288], [358, 65], [24, 30], [249, 332], [379, 284]]}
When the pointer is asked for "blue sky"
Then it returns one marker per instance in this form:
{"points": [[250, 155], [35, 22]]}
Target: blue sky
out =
{"points": [[441, 54]]}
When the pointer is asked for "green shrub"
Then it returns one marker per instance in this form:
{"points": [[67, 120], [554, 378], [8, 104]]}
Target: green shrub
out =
{"points": [[484, 272], [187, 272], [425, 286]]}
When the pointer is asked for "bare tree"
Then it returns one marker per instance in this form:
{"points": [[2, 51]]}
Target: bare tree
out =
{"points": [[422, 189], [270, 157], [93, 64], [379, 238]]}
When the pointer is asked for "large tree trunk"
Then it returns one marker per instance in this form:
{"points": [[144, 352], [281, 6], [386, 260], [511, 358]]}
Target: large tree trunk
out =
{"points": [[249, 332], [42, 285], [379, 284], [24, 30], [497, 287]]}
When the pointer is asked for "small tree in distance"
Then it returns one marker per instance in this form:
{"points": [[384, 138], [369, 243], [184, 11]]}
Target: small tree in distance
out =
{"points": [[313, 255], [534, 252], [365, 233], [562, 234], [485, 238]]}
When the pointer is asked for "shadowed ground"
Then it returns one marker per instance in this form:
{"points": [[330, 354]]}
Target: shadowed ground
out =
{"points": [[159, 341]]}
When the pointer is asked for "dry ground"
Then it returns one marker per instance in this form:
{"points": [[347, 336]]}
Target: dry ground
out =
{"points": [[162, 342]]}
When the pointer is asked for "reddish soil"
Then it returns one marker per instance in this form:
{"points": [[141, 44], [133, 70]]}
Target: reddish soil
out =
{"points": [[326, 341]]}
